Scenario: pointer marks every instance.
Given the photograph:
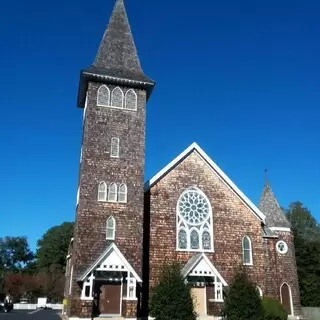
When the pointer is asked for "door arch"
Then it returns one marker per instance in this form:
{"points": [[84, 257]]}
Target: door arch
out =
{"points": [[286, 297]]}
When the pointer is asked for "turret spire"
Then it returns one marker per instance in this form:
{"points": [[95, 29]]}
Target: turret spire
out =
{"points": [[275, 217]]}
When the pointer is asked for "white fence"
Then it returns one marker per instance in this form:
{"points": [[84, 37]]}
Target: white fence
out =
{"points": [[312, 313], [26, 306]]}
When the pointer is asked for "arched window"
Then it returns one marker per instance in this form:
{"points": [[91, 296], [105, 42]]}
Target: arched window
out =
{"points": [[122, 193], [103, 98], [102, 191], [194, 221], [117, 98], [246, 250], [112, 195], [131, 100], [111, 228]]}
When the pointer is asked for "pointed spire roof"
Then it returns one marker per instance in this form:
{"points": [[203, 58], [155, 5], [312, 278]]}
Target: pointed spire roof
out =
{"points": [[275, 217], [117, 60]]}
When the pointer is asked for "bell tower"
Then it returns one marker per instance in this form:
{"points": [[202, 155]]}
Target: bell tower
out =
{"points": [[104, 270]]}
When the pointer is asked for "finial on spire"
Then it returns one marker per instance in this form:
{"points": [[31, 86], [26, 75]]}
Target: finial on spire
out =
{"points": [[266, 176]]}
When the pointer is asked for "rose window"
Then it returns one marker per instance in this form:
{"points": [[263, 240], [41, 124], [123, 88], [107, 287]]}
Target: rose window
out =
{"points": [[194, 228]]}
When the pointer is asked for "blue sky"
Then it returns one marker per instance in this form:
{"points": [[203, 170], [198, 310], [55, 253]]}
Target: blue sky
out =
{"points": [[241, 78]]}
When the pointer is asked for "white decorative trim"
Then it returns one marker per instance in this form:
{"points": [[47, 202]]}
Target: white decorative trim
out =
{"points": [[216, 169], [251, 258], [291, 302], [280, 229], [202, 256], [110, 249]]}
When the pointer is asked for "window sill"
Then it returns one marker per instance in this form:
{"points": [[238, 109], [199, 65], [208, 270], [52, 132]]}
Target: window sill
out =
{"points": [[248, 264], [130, 299], [115, 107], [86, 299], [194, 250], [214, 300]]}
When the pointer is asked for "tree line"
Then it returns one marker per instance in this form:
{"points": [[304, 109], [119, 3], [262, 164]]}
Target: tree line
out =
{"points": [[25, 274], [28, 275]]}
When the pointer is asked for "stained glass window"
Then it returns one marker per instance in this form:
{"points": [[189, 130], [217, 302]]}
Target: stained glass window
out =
{"points": [[194, 223], [194, 239], [183, 242], [206, 241]]}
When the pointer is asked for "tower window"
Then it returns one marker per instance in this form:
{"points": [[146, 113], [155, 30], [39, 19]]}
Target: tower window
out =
{"points": [[112, 196], [102, 191], [246, 251], [111, 229], [114, 153], [131, 100], [117, 98], [103, 98], [122, 193]]}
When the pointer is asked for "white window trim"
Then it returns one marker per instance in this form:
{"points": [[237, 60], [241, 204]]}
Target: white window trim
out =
{"points": [[251, 258], [134, 286], [90, 285], [116, 192], [290, 292], [105, 192], [122, 100], [260, 292], [285, 244], [123, 193], [113, 229], [136, 100], [118, 147], [188, 230], [103, 105]]}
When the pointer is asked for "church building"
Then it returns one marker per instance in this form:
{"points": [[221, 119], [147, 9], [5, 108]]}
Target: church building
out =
{"points": [[190, 212]]}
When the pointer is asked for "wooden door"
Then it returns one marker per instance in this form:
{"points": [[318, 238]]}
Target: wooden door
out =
{"points": [[199, 300], [286, 298], [110, 299]]}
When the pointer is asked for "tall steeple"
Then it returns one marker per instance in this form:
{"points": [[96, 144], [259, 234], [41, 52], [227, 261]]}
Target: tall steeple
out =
{"points": [[117, 60], [269, 205]]}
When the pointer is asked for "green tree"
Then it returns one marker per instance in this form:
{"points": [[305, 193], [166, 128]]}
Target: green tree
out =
{"points": [[243, 300], [306, 231], [171, 297], [51, 258], [53, 247]]}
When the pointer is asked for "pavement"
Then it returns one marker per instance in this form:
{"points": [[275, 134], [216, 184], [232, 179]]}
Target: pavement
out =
{"points": [[31, 315]]}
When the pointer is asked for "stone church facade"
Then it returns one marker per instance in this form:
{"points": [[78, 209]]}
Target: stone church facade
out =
{"points": [[190, 211]]}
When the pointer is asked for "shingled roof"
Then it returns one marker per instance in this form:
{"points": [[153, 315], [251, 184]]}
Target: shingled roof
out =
{"points": [[269, 205], [117, 60]]}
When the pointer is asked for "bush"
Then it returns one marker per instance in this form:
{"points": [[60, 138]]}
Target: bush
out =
{"points": [[171, 298], [273, 309], [242, 301]]}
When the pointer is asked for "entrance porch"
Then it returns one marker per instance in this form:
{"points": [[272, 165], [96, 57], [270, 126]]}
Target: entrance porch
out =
{"points": [[206, 285], [112, 286]]}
